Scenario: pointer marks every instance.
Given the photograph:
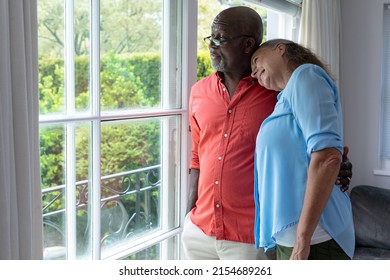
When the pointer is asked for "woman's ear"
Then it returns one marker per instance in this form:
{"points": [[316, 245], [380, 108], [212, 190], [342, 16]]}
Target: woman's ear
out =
{"points": [[281, 48]]}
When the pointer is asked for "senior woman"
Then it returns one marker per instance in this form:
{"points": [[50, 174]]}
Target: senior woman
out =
{"points": [[299, 209]]}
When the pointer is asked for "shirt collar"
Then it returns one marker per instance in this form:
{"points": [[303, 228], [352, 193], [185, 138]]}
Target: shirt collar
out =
{"points": [[248, 78]]}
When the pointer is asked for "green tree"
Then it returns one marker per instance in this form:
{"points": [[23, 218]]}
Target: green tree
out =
{"points": [[51, 28], [125, 26], [128, 26]]}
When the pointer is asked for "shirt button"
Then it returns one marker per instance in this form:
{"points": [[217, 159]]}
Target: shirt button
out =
{"points": [[219, 158], [225, 135], [217, 205], [216, 182], [230, 111]]}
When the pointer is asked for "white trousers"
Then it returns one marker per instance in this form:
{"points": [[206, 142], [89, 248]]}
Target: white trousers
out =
{"points": [[199, 246]]}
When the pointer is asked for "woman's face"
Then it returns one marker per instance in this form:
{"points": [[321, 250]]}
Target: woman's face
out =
{"points": [[270, 68]]}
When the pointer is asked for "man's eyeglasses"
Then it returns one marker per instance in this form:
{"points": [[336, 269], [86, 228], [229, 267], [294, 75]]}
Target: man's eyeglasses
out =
{"points": [[218, 42]]}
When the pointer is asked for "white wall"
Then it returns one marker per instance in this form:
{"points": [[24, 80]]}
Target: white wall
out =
{"points": [[361, 86]]}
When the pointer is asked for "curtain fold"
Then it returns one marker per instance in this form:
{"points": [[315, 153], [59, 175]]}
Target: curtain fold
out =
{"points": [[21, 234], [320, 30]]}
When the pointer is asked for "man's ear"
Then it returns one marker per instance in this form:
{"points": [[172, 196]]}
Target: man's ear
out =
{"points": [[250, 45]]}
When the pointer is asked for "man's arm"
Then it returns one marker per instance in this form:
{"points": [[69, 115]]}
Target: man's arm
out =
{"points": [[192, 196], [345, 173]]}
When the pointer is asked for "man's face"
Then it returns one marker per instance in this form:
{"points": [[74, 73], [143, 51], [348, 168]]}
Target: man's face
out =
{"points": [[228, 56]]}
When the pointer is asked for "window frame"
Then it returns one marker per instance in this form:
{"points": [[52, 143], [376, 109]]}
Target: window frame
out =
{"points": [[384, 146], [180, 25]]}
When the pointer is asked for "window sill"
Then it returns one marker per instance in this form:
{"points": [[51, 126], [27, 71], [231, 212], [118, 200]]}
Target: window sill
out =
{"points": [[382, 172]]}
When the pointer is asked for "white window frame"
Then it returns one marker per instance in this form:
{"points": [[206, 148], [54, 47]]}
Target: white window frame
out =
{"points": [[283, 18], [282, 25], [181, 27], [384, 137]]}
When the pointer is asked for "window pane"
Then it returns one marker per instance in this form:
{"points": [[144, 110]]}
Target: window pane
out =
{"points": [[52, 46], [160, 251], [52, 157], [131, 46], [51, 56], [82, 54], [59, 191], [139, 161], [81, 191]]}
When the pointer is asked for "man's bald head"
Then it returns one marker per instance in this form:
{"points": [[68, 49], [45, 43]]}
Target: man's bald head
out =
{"points": [[244, 20]]}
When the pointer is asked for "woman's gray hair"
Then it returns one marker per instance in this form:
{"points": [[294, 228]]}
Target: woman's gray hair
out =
{"points": [[296, 54]]}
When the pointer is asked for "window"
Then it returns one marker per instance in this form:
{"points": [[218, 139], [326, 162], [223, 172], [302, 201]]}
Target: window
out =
{"points": [[282, 25], [111, 119], [385, 131], [282, 18]]}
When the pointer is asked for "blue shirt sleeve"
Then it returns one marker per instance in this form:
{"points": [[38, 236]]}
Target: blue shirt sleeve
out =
{"points": [[315, 105]]}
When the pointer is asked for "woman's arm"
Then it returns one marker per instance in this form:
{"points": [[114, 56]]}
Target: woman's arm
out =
{"points": [[323, 169]]}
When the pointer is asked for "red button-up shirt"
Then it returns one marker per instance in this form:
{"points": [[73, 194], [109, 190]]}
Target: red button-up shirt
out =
{"points": [[224, 134]]}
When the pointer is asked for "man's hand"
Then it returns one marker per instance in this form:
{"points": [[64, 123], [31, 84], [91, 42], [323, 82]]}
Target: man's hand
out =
{"points": [[345, 174]]}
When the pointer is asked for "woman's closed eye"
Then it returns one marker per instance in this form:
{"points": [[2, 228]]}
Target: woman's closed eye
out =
{"points": [[261, 71]]}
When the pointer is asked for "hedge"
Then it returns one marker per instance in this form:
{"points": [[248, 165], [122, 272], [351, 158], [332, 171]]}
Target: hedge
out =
{"points": [[126, 81]]}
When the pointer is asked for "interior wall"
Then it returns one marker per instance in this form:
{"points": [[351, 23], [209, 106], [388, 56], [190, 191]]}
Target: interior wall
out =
{"points": [[361, 86]]}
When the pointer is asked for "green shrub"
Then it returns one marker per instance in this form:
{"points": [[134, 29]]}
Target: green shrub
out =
{"points": [[126, 81]]}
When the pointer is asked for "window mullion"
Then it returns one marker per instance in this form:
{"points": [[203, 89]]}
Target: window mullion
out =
{"points": [[385, 132], [171, 82], [95, 110], [70, 157], [170, 79], [69, 58]]}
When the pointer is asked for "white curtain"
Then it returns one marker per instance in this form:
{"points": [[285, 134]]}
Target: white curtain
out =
{"points": [[20, 194], [320, 30]]}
